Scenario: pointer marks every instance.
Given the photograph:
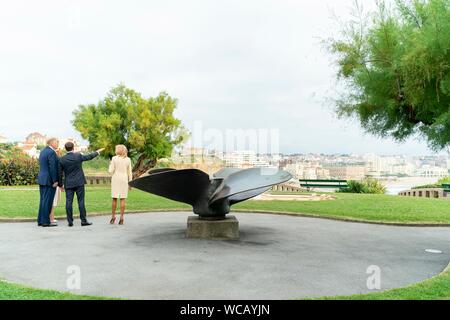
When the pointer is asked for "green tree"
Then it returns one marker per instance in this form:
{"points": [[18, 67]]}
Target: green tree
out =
{"points": [[147, 127], [395, 64]]}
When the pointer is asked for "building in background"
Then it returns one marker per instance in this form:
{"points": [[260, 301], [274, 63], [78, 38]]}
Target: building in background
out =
{"points": [[428, 171], [36, 141], [78, 147], [3, 139], [244, 159], [37, 138], [448, 164], [191, 151], [29, 148], [343, 171]]}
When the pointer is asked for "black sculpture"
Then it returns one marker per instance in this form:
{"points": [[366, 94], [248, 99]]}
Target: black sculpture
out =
{"points": [[210, 198]]}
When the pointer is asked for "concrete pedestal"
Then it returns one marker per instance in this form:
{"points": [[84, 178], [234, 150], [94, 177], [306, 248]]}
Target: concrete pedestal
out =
{"points": [[226, 229]]}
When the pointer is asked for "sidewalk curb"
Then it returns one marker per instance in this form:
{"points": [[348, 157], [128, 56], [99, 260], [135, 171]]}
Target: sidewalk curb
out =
{"points": [[447, 268], [94, 214], [283, 213], [309, 215]]}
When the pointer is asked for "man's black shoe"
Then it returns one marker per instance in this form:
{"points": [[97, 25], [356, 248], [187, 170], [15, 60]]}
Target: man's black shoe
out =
{"points": [[50, 225], [70, 224], [85, 223], [39, 224]]}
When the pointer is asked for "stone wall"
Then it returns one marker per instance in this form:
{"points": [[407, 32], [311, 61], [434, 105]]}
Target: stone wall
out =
{"points": [[425, 193], [287, 188], [98, 180]]}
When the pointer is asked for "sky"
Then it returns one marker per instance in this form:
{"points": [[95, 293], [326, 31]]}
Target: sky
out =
{"points": [[254, 64]]}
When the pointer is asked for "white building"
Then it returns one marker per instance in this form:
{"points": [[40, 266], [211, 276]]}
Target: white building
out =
{"points": [[310, 173], [406, 169], [448, 165], [29, 148], [37, 138], [192, 151], [77, 145], [3, 139], [296, 169], [428, 171], [244, 159]]}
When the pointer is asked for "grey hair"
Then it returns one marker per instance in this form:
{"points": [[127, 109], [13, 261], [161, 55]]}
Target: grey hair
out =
{"points": [[50, 140]]}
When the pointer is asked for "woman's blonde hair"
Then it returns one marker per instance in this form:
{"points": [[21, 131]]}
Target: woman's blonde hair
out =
{"points": [[121, 150]]}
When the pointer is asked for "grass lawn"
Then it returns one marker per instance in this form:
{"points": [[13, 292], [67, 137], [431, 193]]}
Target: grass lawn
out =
{"points": [[436, 288], [11, 291], [364, 207], [23, 203]]}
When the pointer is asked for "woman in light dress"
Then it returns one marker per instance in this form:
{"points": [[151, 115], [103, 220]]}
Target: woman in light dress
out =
{"points": [[120, 169], [57, 198]]}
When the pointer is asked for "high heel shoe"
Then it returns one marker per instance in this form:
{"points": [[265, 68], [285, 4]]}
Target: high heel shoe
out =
{"points": [[121, 221], [112, 221]]}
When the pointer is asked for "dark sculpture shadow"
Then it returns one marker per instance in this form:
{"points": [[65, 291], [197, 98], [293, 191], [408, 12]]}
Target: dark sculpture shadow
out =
{"points": [[210, 198]]}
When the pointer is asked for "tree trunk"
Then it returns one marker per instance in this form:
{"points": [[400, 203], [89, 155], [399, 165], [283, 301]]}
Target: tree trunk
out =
{"points": [[142, 166]]}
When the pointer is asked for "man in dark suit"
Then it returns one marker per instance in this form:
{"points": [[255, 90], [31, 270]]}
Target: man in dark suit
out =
{"points": [[48, 180], [71, 172]]}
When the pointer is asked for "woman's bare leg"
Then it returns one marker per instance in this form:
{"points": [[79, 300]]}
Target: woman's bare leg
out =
{"points": [[122, 208], [113, 209], [52, 214]]}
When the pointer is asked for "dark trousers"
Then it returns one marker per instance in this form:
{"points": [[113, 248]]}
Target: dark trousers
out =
{"points": [[69, 203], [47, 194]]}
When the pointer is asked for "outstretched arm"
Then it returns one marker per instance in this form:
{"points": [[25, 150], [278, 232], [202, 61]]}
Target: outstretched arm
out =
{"points": [[92, 155]]}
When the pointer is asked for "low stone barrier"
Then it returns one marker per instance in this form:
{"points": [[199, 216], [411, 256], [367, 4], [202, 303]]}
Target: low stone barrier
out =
{"points": [[98, 180], [287, 188], [425, 193]]}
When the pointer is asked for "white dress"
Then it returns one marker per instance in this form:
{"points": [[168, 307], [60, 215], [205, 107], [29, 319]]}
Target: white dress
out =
{"points": [[120, 169], [57, 197]]}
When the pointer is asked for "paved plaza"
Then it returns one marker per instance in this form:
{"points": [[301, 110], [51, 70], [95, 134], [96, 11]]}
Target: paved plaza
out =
{"points": [[277, 257]]}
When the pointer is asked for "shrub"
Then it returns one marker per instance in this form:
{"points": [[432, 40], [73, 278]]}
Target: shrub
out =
{"points": [[437, 184], [17, 168], [443, 180], [367, 185]]}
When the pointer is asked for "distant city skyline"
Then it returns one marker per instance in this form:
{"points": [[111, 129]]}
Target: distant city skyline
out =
{"points": [[232, 65], [84, 145]]}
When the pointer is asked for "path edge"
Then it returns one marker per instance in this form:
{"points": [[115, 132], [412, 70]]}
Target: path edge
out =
{"points": [[283, 213]]}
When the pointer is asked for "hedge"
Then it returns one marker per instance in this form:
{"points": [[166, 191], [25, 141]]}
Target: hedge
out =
{"points": [[18, 171]]}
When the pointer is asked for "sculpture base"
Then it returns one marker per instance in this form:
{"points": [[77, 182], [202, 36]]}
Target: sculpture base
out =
{"points": [[225, 229]]}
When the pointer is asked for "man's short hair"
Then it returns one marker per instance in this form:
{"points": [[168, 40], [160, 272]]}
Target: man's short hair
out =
{"points": [[51, 140], [69, 146]]}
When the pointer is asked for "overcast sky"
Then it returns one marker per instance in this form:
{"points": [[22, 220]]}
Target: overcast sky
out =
{"points": [[232, 64]]}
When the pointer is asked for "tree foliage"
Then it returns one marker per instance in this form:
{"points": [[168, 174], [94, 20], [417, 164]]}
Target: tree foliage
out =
{"points": [[147, 127], [395, 66]]}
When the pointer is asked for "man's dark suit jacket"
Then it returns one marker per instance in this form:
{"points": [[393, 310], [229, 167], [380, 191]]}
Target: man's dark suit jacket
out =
{"points": [[71, 166], [48, 167]]}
